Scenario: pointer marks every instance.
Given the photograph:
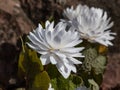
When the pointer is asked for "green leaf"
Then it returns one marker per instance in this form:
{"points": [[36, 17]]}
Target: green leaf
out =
{"points": [[94, 61], [30, 67], [52, 71], [93, 66], [90, 55], [99, 64], [41, 81], [93, 84], [65, 84]]}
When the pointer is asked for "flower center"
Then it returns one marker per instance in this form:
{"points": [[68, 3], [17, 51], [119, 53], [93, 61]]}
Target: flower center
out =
{"points": [[52, 50]]}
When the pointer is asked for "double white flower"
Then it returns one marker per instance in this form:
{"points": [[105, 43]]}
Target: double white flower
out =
{"points": [[91, 23], [56, 46]]}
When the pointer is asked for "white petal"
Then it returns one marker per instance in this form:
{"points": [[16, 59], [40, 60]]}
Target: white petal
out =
{"points": [[61, 68], [57, 40], [36, 48], [47, 23], [50, 28], [70, 67], [74, 43], [36, 41], [40, 26], [74, 61], [102, 42], [109, 43], [53, 60], [62, 57], [77, 55], [72, 49], [33, 46], [59, 27], [45, 59]]}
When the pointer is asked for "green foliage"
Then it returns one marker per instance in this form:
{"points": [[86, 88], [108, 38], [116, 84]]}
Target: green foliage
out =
{"points": [[93, 66], [93, 61], [99, 64], [31, 68], [90, 55], [93, 84], [77, 80], [60, 83]]}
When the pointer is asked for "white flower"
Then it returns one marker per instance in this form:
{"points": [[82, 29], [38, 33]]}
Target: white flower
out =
{"points": [[50, 87], [82, 88], [91, 23], [57, 46]]}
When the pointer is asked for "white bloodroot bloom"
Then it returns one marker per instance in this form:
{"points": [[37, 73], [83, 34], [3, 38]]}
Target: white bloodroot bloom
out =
{"points": [[91, 23], [56, 46]]}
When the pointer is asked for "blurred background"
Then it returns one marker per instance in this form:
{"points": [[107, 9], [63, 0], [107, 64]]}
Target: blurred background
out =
{"points": [[19, 17]]}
